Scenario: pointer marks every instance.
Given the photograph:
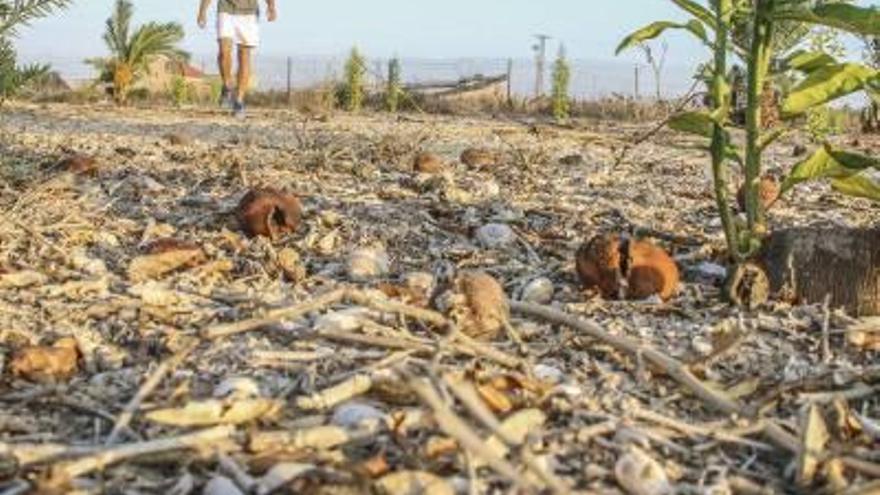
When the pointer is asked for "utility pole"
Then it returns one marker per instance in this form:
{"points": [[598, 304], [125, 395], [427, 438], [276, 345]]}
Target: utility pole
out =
{"points": [[540, 49]]}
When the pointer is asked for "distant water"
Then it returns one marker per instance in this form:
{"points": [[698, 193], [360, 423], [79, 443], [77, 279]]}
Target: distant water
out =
{"points": [[590, 78]]}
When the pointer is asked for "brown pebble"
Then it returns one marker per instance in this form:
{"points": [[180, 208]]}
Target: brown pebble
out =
{"points": [[484, 309]]}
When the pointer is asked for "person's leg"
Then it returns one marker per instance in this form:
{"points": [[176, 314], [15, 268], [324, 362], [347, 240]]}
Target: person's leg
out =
{"points": [[224, 61], [244, 71]]}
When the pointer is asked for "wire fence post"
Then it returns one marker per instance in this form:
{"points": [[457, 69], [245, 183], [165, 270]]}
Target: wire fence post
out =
{"points": [[510, 82], [636, 94], [289, 80]]}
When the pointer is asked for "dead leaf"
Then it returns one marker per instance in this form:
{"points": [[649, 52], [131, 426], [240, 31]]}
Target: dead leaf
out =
{"points": [[216, 412], [152, 266], [22, 279], [495, 399], [639, 474], [413, 483], [814, 437]]}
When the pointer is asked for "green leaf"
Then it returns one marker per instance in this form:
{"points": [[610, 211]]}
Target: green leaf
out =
{"points": [[827, 84], [771, 137], [815, 166], [698, 11], [655, 29], [857, 20], [852, 160], [863, 185], [698, 123], [807, 61]]}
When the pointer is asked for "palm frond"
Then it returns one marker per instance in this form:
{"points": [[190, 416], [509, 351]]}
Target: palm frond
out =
{"points": [[117, 27], [23, 12], [153, 39]]}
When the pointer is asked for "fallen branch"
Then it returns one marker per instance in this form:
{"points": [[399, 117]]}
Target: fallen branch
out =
{"points": [[274, 316], [146, 389], [213, 438], [456, 428]]}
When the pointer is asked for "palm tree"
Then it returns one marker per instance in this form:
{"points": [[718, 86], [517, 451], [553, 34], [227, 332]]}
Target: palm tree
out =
{"points": [[21, 12], [132, 54]]}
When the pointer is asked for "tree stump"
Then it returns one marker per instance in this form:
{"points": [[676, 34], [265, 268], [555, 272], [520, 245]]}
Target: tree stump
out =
{"points": [[806, 264]]}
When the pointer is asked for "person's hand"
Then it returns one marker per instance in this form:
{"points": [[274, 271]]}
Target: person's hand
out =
{"points": [[203, 20], [272, 14]]}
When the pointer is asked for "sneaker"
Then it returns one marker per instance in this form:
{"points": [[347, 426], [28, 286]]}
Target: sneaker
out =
{"points": [[238, 110], [225, 97]]}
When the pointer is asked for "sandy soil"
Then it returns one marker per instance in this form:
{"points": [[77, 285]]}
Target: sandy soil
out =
{"points": [[571, 406]]}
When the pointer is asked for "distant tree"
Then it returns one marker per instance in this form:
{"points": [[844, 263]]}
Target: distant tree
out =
{"points": [[353, 88], [131, 55], [14, 14], [561, 83], [657, 63], [395, 88]]}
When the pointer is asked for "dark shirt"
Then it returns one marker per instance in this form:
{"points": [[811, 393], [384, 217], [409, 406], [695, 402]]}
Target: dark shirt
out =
{"points": [[238, 7]]}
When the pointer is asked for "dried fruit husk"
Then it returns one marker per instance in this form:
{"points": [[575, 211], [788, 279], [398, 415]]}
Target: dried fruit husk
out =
{"points": [[480, 158], [269, 213], [427, 163], [43, 364], [480, 307], [606, 261]]}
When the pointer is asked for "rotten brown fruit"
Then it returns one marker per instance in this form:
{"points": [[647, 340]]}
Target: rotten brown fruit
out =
{"points": [[79, 164], [627, 269], [427, 163], [480, 158], [269, 213], [478, 305], [768, 192], [46, 364]]}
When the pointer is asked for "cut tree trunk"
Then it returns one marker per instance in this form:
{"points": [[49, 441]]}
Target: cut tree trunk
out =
{"points": [[807, 264]]}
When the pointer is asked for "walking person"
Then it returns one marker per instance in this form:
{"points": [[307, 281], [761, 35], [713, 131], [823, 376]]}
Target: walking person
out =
{"points": [[237, 24]]}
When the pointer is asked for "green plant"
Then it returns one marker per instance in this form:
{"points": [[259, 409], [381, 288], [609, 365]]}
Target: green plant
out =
{"points": [[180, 91], [752, 30], [14, 14], [561, 83], [395, 86], [131, 54], [17, 13], [13, 78], [353, 87]]}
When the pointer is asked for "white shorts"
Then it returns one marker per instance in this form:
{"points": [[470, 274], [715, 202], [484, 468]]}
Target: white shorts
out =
{"points": [[241, 29]]}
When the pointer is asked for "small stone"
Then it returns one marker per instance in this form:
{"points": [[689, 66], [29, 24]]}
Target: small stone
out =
{"points": [[711, 272], [368, 263], [572, 160], [549, 374], [220, 485], [347, 320], [495, 236], [480, 158], [538, 291], [237, 388], [354, 414]]}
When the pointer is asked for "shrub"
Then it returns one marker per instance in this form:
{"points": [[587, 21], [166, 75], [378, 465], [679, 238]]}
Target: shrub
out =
{"points": [[395, 88], [561, 82], [353, 87]]}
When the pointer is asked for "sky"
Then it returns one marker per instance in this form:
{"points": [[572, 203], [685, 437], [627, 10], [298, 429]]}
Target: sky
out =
{"points": [[488, 30], [590, 29]]}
